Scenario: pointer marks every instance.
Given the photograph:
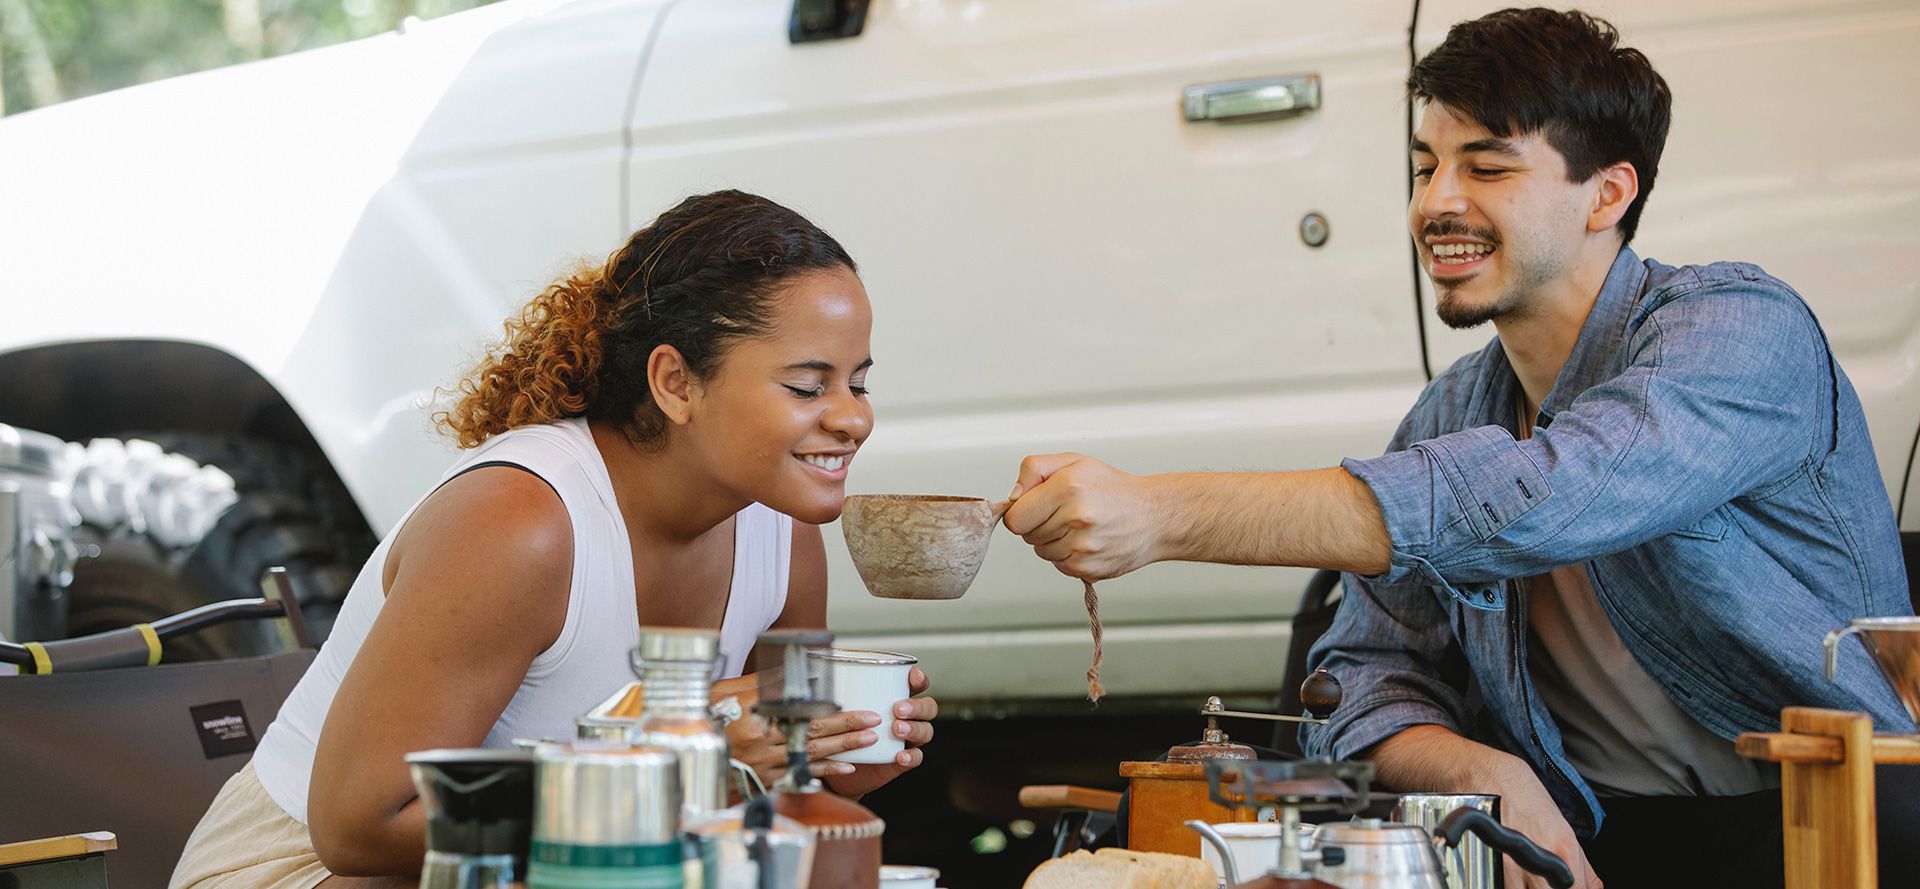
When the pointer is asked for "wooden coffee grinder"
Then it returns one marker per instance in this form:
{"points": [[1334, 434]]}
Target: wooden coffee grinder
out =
{"points": [[1165, 795]]}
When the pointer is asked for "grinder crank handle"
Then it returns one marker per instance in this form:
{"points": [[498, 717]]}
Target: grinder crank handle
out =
{"points": [[1513, 843]]}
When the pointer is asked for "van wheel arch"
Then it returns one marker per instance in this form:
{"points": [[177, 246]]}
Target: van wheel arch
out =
{"points": [[293, 509]]}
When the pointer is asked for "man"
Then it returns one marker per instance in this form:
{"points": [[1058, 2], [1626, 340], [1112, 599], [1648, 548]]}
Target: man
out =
{"points": [[1600, 547]]}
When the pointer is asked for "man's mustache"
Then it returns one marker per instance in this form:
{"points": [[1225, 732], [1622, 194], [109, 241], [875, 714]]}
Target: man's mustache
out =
{"points": [[1453, 228]]}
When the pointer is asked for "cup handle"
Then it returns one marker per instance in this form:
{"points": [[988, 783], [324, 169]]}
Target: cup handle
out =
{"points": [[1832, 645], [742, 775], [1219, 844]]}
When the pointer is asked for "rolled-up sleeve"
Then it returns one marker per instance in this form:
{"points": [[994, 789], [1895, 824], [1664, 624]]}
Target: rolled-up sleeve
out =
{"points": [[1398, 665], [1727, 387]]}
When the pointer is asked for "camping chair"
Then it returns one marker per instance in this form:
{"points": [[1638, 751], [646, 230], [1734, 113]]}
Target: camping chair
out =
{"points": [[1310, 621], [70, 862], [98, 736]]}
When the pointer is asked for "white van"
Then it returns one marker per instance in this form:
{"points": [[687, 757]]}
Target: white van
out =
{"points": [[271, 267]]}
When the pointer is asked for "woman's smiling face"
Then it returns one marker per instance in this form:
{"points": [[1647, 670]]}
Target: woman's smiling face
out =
{"points": [[778, 423]]}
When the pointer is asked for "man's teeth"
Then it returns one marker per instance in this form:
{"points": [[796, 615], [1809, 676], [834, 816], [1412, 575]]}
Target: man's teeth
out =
{"points": [[1459, 253], [830, 464]]}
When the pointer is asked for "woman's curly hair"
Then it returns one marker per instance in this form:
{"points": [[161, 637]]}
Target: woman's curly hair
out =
{"points": [[701, 277]]}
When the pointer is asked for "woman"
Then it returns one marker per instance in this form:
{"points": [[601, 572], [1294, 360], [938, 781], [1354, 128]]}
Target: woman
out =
{"points": [[655, 443]]}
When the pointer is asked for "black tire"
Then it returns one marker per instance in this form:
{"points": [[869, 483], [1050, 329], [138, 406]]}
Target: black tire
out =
{"points": [[292, 512]]}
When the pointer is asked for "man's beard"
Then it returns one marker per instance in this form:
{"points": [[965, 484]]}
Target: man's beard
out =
{"points": [[1449, 307], [1456, 314]]}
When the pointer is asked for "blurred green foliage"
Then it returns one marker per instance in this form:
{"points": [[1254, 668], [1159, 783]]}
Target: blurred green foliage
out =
{"points": [[52, 50]]}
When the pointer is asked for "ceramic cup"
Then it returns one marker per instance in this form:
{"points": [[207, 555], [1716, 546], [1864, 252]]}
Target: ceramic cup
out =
{"points": [[870, 680], [1255, 847], [900, 876]]}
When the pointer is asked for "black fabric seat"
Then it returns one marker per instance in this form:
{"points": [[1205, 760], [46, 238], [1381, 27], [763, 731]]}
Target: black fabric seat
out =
{"points": [[138, 751]]}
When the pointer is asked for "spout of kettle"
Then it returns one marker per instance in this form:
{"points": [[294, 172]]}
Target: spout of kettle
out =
{"points": [[1219, 844]]}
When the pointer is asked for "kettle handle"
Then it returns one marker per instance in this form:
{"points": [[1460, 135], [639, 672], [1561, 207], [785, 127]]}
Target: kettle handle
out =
{"points": [[1832, 645], [1512, 843], [1219, 844]]}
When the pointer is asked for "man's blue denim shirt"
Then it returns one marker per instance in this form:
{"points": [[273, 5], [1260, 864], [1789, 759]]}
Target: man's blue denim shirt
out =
{"points": [[1701, 452]]}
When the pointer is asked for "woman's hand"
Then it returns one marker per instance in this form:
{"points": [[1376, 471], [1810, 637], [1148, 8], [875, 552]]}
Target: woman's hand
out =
{"points": [[750, 738], [912, 722]]}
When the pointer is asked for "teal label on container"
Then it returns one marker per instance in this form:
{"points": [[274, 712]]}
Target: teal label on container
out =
{"points": [[564, 866]]}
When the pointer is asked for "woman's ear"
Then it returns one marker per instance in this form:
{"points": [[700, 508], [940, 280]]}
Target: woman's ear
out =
{"points": [[672, 384]]}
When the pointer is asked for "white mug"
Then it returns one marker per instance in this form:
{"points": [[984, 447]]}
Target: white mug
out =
{"points": [[1255, 847], [870, 680]]}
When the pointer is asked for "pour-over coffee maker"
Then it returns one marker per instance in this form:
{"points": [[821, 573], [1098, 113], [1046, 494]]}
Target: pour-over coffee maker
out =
{"points": [[796, 686], [479, 806], [1894, 643]]}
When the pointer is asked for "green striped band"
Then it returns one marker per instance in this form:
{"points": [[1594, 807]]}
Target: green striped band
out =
{"points": [[560, 876], [567, 866], [637, 855]]}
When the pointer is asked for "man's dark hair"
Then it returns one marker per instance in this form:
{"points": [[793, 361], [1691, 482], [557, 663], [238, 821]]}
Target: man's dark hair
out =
{"points": [[1563, 75]]}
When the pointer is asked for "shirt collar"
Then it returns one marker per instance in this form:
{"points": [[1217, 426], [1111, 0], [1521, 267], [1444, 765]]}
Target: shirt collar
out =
{"points": [[1602, 336], [1595, 353]]}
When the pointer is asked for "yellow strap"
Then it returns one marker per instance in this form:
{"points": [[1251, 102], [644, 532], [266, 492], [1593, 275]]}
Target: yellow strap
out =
{"points": [[153, 642], [41, 663]]}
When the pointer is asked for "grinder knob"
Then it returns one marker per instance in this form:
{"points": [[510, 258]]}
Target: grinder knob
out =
{"points": [[1320, 694]]}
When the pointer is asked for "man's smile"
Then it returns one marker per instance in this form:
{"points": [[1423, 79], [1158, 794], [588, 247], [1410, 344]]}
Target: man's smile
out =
{"points": [[1455, 258]]}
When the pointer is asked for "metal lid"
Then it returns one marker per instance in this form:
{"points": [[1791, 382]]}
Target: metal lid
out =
{"points": [[463, 755], [1254, 829], [1886, 623], [1371, 832], [866, 656], [677, 644], [29, 451]]}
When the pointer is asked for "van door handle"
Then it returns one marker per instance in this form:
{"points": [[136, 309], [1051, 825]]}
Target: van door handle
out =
{"points": [[1252, 99]]}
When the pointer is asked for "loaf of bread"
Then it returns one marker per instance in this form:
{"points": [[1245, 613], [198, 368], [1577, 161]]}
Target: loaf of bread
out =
{"points": [[1122, 869]]}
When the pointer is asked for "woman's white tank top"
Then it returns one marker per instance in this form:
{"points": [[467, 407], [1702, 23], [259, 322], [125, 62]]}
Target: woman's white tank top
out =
{"points": [[588, 662]]}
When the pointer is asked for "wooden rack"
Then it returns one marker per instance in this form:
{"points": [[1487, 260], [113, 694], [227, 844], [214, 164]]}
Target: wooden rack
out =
{"points": [[1826, 762]]}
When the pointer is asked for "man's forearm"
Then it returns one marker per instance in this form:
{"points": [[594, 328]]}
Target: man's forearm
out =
{"points": [[1320, 518], [1430, 758]]}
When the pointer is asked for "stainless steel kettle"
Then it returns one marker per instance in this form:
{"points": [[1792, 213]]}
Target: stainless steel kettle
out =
{"points": [[750, 847], [1368, 853]]}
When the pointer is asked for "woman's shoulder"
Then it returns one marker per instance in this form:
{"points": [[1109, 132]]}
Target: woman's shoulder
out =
{"points": [[497, 517], [563, 442]]}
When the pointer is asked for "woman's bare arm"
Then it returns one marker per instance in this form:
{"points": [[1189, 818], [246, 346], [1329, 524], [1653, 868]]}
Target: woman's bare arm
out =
{"points": [[476, 588]]}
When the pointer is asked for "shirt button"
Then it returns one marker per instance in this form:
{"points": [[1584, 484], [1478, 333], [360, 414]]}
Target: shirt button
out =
{"points": [[1487, 595]]}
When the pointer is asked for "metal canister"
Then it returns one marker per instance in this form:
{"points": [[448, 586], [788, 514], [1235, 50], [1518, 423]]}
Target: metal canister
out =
{"points": [[606, 816], [676, 668], [36, 547], [1473, 864]]}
